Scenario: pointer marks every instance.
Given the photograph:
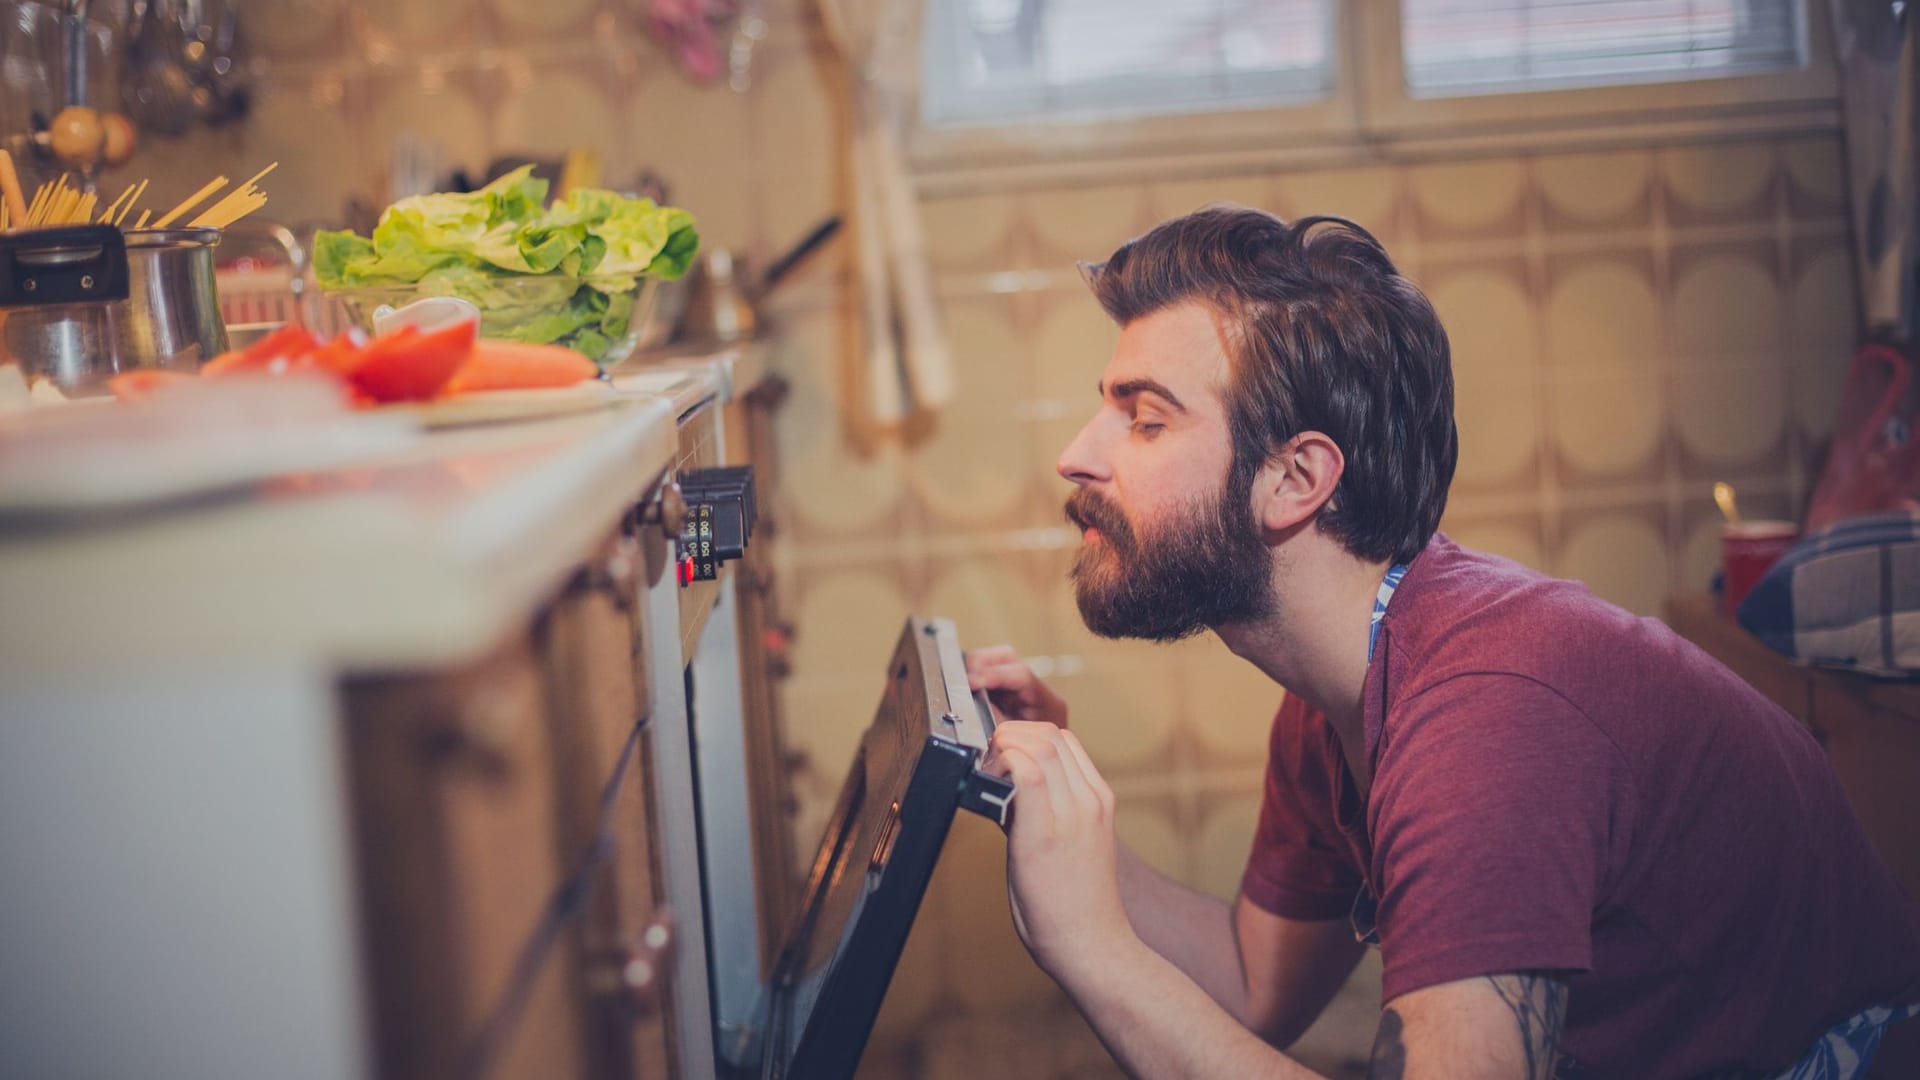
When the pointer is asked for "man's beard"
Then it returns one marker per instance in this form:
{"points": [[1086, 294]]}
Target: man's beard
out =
{"points": [[1208, 569]]}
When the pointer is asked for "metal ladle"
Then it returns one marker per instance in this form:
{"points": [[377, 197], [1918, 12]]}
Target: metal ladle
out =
{"points": [[159, 91]]}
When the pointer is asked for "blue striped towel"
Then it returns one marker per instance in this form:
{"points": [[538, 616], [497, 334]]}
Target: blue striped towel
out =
{"points": [[1847, 596]]}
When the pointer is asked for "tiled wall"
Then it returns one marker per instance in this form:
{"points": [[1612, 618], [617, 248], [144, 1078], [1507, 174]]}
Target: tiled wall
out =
{"points": [[1628, 326], [483, 78]]}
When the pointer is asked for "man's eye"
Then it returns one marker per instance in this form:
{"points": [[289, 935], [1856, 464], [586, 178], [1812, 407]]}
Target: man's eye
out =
{"points": [[1147, 428]]}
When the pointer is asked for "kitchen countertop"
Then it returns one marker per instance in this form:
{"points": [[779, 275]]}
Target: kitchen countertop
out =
{"points": [[689, 378], [734, 367], [423, 558]]}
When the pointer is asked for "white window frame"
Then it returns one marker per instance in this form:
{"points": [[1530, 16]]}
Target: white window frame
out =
{"points": [[1370, 115], [1068, 137]]}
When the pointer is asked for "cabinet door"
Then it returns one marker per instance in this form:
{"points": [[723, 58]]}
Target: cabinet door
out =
{"points": [[595, 676], [1875, 748], [765, 638], [453, 788]]}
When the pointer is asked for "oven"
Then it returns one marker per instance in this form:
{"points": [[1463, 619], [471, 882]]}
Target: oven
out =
{"points": [[779, 975]]}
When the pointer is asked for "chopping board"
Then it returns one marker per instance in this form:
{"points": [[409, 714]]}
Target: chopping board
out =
{"points": [[506, 406]]}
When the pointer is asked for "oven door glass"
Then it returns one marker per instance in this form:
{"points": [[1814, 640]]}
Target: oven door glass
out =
{"points": [[917, 764]]}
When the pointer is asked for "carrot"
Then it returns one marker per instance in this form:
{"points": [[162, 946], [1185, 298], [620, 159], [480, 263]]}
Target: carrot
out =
{"points": [[512, 365]]}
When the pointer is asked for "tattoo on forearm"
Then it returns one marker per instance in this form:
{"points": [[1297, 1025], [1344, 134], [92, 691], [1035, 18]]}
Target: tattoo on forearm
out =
{"points": [[1539, 1006], [1389, 1054]]}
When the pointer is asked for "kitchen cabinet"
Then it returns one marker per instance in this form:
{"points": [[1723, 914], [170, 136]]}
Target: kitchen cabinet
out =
{"points": [[387, 773], [766, 641], [453, 786], [596, 681]]}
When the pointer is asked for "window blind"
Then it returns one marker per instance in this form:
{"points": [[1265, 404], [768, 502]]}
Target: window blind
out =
{"points": [[991, 61], [1467, 46]]}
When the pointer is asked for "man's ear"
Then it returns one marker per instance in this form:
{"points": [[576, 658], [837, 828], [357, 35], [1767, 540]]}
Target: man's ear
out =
{"points": [[1297, 481]]}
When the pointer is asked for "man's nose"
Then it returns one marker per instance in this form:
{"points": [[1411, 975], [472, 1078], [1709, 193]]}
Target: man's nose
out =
{"points": [[1081, 461]]}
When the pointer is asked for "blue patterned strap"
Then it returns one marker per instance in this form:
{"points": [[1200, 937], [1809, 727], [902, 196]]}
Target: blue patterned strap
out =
{"points": [[1847, 1048], [1380, 601]]}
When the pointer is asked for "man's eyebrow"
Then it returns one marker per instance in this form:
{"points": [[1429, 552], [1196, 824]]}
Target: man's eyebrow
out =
{"points": [[1127, 388]]}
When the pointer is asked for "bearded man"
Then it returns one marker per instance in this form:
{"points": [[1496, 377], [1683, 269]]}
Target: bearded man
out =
{"points": [[1583, 847]]}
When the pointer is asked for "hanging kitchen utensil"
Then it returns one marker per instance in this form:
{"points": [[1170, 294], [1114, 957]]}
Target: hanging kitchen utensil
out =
{"points": [[724, 299], [158, 89]]}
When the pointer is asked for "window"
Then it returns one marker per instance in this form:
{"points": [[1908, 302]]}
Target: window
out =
{"points": [[1008, 61], [1252, 83], [1468, 46], [991, 61]]}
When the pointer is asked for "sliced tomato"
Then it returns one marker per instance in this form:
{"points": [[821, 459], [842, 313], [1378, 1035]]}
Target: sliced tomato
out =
{"points": [[285, 344], [340, 357], [408, 365], [143, 383], [290, 340]]}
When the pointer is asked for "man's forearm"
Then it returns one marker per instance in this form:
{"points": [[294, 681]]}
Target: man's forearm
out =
{"points": [[1191, 930], [1160, 1025]]}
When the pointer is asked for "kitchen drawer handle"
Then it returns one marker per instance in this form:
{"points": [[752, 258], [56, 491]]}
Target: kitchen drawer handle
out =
{"points": [[778, 641], [614, 575], [482, 740], [771, 393], [636, 974], [669, 510]]}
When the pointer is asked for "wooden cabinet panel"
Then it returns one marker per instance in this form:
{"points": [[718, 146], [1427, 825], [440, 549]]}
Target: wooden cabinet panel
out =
{"points": [[764, 640], [595, 678], [701, 447], [453, 789], [1876, 752]]}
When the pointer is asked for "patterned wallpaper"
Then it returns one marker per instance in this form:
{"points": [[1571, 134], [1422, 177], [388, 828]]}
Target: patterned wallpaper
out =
{"points": [[1628, 326]]}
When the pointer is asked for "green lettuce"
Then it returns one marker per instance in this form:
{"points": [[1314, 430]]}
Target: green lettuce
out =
{"points": [[563, 273]]}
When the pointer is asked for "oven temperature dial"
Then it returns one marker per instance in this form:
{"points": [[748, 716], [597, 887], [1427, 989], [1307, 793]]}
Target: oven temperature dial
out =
{"points": [[720, 515]]}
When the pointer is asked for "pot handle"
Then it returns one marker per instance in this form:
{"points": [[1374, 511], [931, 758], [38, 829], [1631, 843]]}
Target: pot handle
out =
{"points": [[67, 265]]}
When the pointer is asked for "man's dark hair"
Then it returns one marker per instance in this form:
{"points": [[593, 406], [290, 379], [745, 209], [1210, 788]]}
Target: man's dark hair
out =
{"points": [[1323, 334]]}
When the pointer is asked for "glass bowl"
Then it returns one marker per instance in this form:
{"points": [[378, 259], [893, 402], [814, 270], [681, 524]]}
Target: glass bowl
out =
{"points": [[543, 308]]}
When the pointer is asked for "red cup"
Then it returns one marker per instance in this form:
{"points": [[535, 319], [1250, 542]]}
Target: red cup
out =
{"points": [[1747, 551]]}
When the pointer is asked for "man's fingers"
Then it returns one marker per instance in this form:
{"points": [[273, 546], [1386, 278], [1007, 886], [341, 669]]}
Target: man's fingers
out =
{"points": [[991, 654], [1095, 782], [1069, 793], [1077, 770], [1040, 798], [1012, 675], [981, 661]]}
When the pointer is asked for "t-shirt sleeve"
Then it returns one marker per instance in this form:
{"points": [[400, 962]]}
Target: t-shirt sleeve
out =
{"points": [[1497, 811], [1299, 868]]}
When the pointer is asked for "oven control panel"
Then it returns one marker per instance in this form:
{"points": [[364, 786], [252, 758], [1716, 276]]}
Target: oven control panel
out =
{"points": [[720, 516]]}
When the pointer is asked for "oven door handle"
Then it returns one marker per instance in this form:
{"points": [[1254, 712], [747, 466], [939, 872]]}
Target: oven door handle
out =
{"points": [[985, 794], [989, 796]]}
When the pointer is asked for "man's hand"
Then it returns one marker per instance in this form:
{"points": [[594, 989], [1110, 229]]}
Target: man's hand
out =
{"points": [[1013, 687], [1061, 863]]}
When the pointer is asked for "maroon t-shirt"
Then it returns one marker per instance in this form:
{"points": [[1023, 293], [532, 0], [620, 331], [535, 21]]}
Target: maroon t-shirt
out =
{"points": [[1558, 784]]}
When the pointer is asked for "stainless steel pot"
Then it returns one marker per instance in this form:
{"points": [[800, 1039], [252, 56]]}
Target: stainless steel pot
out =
{"points": [[168, 318]]}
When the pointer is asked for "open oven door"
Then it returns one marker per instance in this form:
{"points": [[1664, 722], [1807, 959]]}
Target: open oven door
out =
{"points": [[918, 763]]}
